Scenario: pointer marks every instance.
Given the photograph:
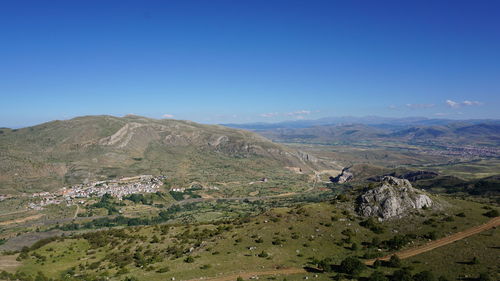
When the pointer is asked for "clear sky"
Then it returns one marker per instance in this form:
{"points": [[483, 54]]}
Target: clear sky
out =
{"points": [[217, 61]]}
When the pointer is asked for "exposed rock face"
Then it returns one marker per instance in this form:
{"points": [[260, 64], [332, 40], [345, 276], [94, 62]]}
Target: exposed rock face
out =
{"points": [[394, 198], [343, 177]]}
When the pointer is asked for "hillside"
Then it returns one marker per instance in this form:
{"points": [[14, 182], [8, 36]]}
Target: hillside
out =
{"points": [[59, 153]]}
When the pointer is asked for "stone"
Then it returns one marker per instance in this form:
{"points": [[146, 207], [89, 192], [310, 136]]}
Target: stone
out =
{"points": [[393, 198]]}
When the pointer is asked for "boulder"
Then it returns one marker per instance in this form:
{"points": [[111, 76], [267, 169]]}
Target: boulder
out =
{"points": [[393, 198]]}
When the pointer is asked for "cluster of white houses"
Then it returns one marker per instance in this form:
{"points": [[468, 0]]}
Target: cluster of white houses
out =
{"points": [[116, 188]]}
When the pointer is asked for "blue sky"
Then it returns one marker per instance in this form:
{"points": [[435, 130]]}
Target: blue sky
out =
{"points": [[244, 61]]}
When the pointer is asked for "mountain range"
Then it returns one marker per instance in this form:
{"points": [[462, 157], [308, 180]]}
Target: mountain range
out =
{"points": [[61, 153], [409, 130]]}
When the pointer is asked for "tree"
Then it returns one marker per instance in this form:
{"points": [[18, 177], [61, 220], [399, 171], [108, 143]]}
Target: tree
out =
{"points": [[263, 254], [483, 276], [424, 276], [443, 278], [239, 278], [377, 276], [402, 275], [394, 261], [377, 263], [492, 213], [475, 260], [352, 265]]}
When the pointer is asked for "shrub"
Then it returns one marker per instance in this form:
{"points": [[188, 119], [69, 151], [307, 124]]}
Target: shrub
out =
{"points": [[372, 225], [483, 276], [424, 276], [394, 261], [377, 276], [352, 265], [163, 269], [491, 213], [402, 275], [263, 254]]}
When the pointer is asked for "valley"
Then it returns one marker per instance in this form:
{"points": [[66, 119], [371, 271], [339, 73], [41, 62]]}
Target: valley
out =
{"points": [[242, 206]]}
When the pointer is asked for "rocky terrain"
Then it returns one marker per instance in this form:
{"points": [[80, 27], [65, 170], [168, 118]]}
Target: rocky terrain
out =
{"points": [[343, 177], [393, 198]]}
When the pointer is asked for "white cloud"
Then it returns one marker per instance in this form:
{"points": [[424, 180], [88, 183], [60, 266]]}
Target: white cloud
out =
{"points": [[168, 116], [454, 104], [269, 115], [419, 105], [467, 102], [299, 112]]}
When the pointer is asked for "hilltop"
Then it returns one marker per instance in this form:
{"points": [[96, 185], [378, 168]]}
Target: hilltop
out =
{"points": [[59, 153]]}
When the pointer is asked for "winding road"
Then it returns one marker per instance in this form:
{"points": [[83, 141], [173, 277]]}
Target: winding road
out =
{"points": [[441, 242], [495, 222]]}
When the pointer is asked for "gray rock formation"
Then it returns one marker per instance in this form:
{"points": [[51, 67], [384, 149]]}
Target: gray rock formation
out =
{"points": [[393, 198], [343, 177]]}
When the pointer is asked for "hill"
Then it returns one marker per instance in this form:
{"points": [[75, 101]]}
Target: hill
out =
{"points": [[59, 153]]}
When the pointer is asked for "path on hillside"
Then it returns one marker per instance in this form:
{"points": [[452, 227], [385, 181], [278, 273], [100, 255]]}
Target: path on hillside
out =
{"points": [[441, 242], [21, 220], [76, 211], [402, 254], [247, 275]]}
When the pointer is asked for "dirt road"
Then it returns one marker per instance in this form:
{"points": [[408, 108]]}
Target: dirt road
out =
{"points": [[247, 275], [441, 242], [21, 220]]}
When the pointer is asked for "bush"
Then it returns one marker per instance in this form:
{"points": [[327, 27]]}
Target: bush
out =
{"points": [[263, 254], [377, 276], [401, 275], [352, 265], [483, 276], [189, 259], [372, 225], [394, 261], [424, 276], [492, 213], [163, 269]]}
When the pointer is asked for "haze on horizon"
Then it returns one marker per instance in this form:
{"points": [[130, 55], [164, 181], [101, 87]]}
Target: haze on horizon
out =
{"points": [[248, 61]]}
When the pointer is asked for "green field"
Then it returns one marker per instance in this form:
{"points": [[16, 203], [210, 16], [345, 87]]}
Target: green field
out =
{"points": [[290, 236]]}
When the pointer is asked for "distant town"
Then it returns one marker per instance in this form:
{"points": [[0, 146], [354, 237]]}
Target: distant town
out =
{"points": [[116, 188]]}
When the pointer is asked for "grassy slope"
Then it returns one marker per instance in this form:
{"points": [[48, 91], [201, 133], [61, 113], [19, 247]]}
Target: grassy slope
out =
{"points": [[228, 252], [59, 153]]}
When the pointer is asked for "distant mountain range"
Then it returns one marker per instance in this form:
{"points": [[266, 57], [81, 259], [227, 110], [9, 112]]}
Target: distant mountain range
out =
{"points": [[61, 153], [375, 121], [366, 129]]}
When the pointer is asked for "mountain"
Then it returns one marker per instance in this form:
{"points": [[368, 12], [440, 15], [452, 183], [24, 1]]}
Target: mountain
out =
{"points": [[458, 133], [60, 153], [374, 121], [324, 134]]}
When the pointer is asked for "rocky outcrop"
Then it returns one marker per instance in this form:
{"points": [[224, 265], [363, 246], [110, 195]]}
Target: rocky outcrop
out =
{"points": [[411, 176], [343, 177], [393, 198]]}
